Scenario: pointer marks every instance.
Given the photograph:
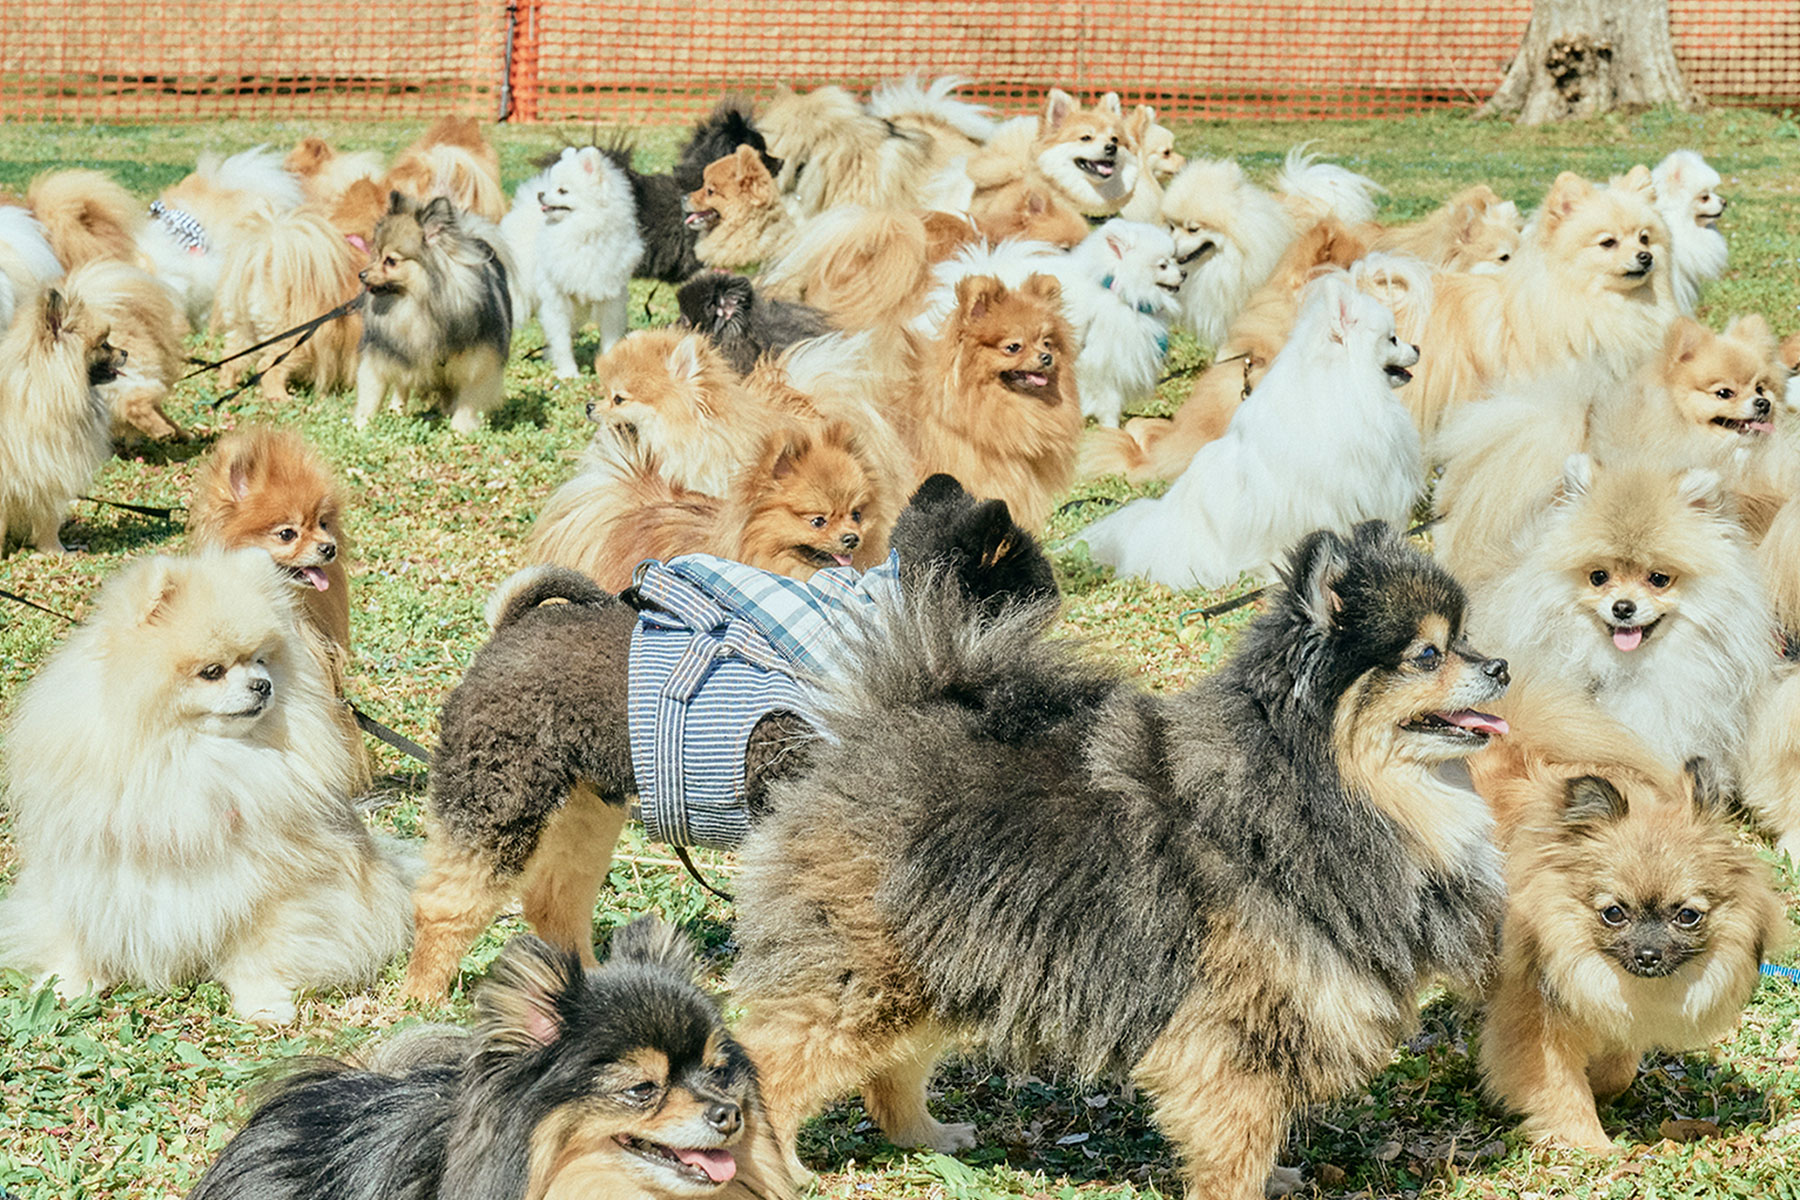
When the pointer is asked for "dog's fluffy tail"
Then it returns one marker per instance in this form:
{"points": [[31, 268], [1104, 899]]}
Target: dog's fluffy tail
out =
{"points": [[524, 590], [1349, 197], [911, 97]]}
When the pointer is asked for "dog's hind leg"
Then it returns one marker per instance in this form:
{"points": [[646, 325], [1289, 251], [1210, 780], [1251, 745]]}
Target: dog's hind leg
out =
{"points": [[459, 895], [563, 878], [1226, 1121], [896, 1100]]}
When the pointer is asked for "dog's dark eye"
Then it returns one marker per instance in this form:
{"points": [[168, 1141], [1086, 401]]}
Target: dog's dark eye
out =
{"points": [[643, 1093], [1726, 393], [1644, 238], [212, 672], [1506, 258], [1613, 915], [288, 534], [817, 522], [1687, 918], [1427, 659], [618, 399], [1087, 137], [390, 261], [856, 515], [1014, 347], [1607, 243], [1658, 580], [1598, 577]]}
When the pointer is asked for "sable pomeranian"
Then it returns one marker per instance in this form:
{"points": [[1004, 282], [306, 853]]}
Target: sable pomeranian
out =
{"points": [[1001, 840], [806, 499], [452, 159], [618, 1081], [1590, 279], [180, 799], [294, 267], [1325, 443], [744, 325], [148, 327], [1688, 198], [52, 359], [1641, 590], [266, 489], [993, 399], [737, 213], [558, 675], [439, 320], [1636, 920], [575, 238]]}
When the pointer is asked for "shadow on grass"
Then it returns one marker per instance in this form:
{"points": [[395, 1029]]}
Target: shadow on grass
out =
{"points": [[528, 403]]}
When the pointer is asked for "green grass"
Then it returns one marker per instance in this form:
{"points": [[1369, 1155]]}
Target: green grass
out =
{"points": [[129, 1095]]}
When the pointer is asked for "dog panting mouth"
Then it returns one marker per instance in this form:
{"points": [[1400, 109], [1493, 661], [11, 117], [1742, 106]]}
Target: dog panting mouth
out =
{"points": [[1745, 425], [1203, 250], [822, 558], [1101, 168], [1630, 637], [1463, 724], [1397, 375], [312, 577], [1025, 381], [702, 218], [711, 1166]]}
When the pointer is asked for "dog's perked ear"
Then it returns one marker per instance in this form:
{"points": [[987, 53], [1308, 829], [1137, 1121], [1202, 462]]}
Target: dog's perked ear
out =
{"points": [[1591, 800], [654, 942], [1317, 567], [938, 489], [975, 294], [437, 218], [1059, 106], [1577, 477], [1710, 793], [521, 1001], [1701, 488]]}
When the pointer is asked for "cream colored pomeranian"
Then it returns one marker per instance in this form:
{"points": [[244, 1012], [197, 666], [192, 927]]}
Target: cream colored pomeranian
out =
{"points": [[180, 800]]}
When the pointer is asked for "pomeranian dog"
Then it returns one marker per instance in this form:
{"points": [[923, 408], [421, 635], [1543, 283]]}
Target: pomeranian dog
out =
{"points": [[1028, 214], [53, 359], [1474, 230], [1590, 280], [544, 824], [743, 324], [1158, 162], [1121, 291], [1641, 590], [148, 327], [954, 125], [1706, 398], [452, 159], [575, 238], [833, 152], [730, 124], [295, 267], [1688, 198], [684, 405], [27, 261], [87, 215], [266, 489], [439, 319], [194, 224], [618, 1081], [1229, 236], [737, 213], [180, 799], [1636, 918], [1324, 443], [805, 499], [1083, 155], [326, 173], [874, 928]]}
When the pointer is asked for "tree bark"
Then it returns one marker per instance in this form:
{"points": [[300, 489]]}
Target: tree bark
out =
{"points": [[1580, 58]]}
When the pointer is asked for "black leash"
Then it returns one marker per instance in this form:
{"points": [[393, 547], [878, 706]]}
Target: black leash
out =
{"points": [[398, 741], [305, 330], [1191, 368], [18, 599], [682, 854], [1254, 594], [165, 514]]}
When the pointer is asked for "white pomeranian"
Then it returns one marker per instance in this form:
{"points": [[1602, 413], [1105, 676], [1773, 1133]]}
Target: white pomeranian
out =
{"points": [[1323, 443], [573, 231], [27, 262], [1229, 236], [1120, 293], [1641, 591], [180, 799], [1687, 197]]}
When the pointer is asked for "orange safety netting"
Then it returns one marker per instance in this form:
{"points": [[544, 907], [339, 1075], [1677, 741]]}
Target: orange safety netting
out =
{"points": [[657, 61]]}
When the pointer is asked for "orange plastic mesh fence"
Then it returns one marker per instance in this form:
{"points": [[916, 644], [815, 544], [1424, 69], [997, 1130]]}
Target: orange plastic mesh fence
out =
{"points": [[655, 61]]}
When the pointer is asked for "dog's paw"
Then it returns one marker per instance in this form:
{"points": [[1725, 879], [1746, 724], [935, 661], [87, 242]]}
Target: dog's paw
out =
{"points": [[949, 1139], [264, 1005], [1284, 1181]]}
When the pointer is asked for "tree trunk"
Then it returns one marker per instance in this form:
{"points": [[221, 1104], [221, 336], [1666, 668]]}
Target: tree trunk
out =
{"points": [[1580, 58]]}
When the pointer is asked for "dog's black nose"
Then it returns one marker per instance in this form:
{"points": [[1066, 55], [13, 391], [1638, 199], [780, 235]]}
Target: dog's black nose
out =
{"points": [[328, 551], [724, 1116], [1112, 145], [1495, 669], [851, 540], [1624, 609], [1762, 406], [363, 275], [262, 687], [1645, 258], [590, 410], [1648, 957], [1046, 359]]}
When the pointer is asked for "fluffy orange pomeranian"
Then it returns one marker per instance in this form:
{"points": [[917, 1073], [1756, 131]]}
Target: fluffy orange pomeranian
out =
{"points": [[1083, 155], [87, 215], [738, 212], [992, 399], [1474, 230], [52, 358], [295, 266], [266, 488], [1591, 280], [452, 159], [808, 498], [147, 325], [326, 173]]}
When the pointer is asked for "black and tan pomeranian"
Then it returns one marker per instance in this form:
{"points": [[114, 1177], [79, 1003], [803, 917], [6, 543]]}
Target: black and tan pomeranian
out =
{"points": [[744, 324], [1636, 918], [1233, 895], [618, 1081], [556, 676], [438, 323]]}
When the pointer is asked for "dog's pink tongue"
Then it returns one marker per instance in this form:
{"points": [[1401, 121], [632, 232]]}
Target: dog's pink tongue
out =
{"points": [[1036, 380], [1628, 639], [718, 1164], [1468, 718], [843, 560], [316, 577], [1762, 426]]}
